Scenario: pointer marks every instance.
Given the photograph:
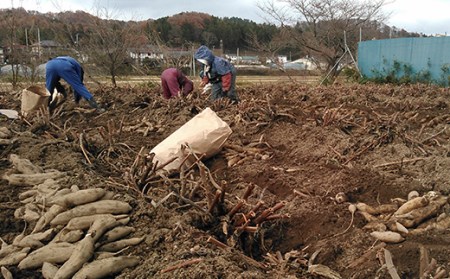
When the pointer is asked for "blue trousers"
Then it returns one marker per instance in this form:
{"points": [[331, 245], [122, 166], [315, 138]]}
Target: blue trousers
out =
{"points": [[68, 70]]}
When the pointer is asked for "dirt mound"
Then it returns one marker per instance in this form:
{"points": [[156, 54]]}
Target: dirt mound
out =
{"points": [[266, 206]]}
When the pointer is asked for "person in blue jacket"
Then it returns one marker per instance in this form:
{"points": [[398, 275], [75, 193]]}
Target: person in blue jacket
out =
{"points": [[67, 68], [219, 72]]}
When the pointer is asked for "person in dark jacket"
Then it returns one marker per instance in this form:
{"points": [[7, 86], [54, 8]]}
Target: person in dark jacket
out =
{"points": [[219, 72], [174, 82], [68, 69]]}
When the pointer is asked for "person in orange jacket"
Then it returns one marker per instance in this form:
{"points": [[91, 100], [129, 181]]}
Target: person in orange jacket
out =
{"points": [[219, 72]]}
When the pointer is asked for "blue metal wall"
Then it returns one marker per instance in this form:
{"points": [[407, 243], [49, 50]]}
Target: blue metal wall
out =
{"points": [[423, 56]]}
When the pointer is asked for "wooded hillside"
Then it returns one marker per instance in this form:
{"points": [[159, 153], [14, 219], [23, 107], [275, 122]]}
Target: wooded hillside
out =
{"points": [[179, 30]]}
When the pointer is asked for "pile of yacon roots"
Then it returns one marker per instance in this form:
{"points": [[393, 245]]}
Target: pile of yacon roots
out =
{"points": [[5, 136], [76, 234], [80, 233], [394, 222]]}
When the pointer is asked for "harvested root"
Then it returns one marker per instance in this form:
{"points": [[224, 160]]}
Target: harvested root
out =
{"points": [[24, 165], [48, 217], [352, 209], [100, 226], [85, 222], [32, 179], [413, 195], [49, 270], [68, 236], [79, 197], [8, 249], [105, 255], [381, 209], [6, 141], [15, 258], [6, 273], [120, 244], [82, 253], [375, 226], [25, 196], [411, 205], [440, 225], [5, 133], [418, 215], [397, 227], [116, 234], [27, 214], [341, 197], [388, 236], [48, 188], [369, 217], [106, 267], [30, 242], [52, 253], [98, 207]]}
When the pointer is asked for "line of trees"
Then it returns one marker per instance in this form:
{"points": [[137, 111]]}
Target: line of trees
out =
{"points": [[299, 27]]}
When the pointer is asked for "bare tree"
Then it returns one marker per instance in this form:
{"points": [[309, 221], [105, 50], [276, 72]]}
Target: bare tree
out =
{"points": [[318, 26], [14, 52], [177, 58], [271, 49], [109, 41]]}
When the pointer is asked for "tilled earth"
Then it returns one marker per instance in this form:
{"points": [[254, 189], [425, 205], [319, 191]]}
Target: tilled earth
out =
{"points": [[303, 153]]}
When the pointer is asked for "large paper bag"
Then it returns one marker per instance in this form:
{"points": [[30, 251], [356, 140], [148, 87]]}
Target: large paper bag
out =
{"points": [[34, 98], [205, 134]]}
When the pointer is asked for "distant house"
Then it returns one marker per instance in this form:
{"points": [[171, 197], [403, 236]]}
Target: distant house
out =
{"points": [[249, 60], [177, 53], [295, 65], [280, 59], [145, 52], [305, 63], [243, 60], [153, 52], [45, 47]]}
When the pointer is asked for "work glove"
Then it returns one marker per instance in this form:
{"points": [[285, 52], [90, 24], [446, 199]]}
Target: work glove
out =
{"points": [[207, 89], [56, 99]]}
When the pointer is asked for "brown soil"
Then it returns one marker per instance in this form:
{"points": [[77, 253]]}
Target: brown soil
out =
{"points": [[311, 143]]}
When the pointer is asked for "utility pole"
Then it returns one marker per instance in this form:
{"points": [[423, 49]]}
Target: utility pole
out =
{"points": [[193, 62], [26, 37], [39, 43]]}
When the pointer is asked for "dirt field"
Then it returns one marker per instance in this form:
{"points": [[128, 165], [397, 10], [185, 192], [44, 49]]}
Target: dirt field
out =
{"points": [[303, 153]]}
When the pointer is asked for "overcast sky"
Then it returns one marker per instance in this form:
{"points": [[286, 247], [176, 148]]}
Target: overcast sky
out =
{"points": [[422, 16]]}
